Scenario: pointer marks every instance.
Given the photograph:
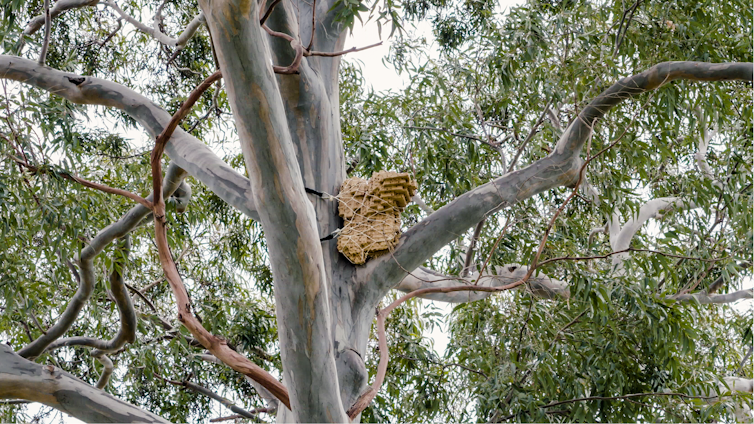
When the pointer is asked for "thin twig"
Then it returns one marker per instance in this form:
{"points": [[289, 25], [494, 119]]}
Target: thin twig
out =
{"points": [[97, 186], [470, 251], [622, 29], [529, 136], [632, 395], [589, 258], [142, 296], [743, 361], [342, 52], [267, 14], [209, 393], [46, 42]]}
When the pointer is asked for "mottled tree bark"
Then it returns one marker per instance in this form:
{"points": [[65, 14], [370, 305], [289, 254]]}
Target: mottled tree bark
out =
{"points": [[289, 129]]}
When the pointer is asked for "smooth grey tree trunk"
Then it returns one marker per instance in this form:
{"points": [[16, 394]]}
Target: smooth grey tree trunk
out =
{"points": [[289, 128]]}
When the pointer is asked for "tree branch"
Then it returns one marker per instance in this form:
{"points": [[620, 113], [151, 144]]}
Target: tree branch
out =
{"points": [[23, 379], [185, 150], [539, 285], [629, 396], [46, 41], [469, 261], [61, 6], [97, 186], [706, 299], [620, 237], [122, 227], [210, 394], [214, 344], [127, 331], [158, 35], [269, 398], [560, 168]]}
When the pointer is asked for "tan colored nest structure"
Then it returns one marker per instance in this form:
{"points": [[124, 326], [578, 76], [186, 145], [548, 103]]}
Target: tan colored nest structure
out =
{"points": [[372, 214]]}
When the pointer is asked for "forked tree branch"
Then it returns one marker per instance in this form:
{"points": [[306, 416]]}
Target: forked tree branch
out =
{"points": [[62, 6], [158, 35], [122, 227], [127, 315], [560, 168], [185, 150]]}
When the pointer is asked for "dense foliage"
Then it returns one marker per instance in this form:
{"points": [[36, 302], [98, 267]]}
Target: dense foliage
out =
{"points": [[474, 109]]}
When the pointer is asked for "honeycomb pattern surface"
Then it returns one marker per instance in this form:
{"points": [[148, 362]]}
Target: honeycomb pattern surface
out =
{"points": [[372, 210]]}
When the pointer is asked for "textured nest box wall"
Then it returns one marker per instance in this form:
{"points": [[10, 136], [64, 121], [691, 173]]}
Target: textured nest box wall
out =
{"points": [[372, 214]]}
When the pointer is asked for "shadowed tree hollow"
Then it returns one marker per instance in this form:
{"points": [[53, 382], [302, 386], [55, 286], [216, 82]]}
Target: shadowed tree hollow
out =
{"points": [[179, 180]]}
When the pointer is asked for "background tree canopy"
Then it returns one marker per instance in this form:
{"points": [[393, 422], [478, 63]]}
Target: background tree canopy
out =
{"points": [[495, 98]]}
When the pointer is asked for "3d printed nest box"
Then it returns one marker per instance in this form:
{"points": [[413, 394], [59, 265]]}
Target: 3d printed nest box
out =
{"points": [[372, 214]]}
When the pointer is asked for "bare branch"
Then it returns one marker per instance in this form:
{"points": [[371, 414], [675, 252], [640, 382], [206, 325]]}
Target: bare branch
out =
{"points": [[532, 133], [186, 151], [122, 227], [127, 332], [715, 286], [468, 262], [342, 52], [158, 35], [107, 370], [46, 41], [23, 379], [267, 14], [743, 361], [214, 344], [629, 396], [620, 237], [706, 299], [209, 393], [539, 285], [293, 68]]}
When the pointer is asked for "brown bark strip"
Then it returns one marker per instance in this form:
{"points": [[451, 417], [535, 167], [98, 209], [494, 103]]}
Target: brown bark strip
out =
{"points": [[97, 186], [216, 345], [342, 52]]}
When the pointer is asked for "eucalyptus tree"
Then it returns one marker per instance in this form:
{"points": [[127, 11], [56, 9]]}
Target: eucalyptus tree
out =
{"points": [[529, 135]]}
